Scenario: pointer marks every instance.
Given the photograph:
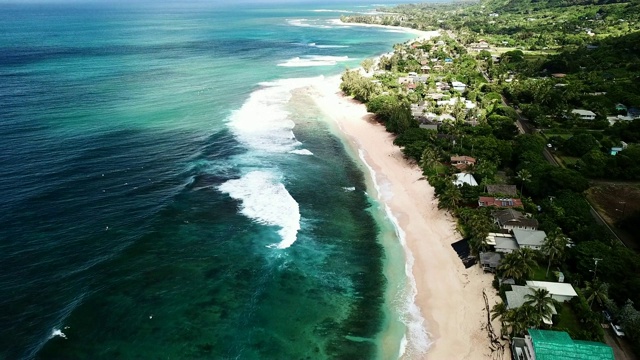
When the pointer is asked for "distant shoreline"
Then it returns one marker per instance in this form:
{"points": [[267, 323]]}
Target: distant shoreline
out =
{"points": [[447, 295]]}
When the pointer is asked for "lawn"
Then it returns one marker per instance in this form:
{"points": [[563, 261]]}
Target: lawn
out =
{"points": [[566, 319], [569, 160], [540, 271]]}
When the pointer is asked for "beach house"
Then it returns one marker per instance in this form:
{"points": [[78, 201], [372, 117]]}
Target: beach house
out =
{"points": [[529, 239], [519, 295], [499, 202], [584, 114], [510, 219], [464, 178], [557, 345]]}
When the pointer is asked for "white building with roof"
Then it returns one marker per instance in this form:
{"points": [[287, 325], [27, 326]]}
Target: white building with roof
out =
{"points": [[531, 239], [584, 114], [464, 178], [560, 291], [518, 296]]}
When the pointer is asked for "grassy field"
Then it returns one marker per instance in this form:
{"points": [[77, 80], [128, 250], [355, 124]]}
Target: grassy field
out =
{"points": [[615, 201], [567, 320]]}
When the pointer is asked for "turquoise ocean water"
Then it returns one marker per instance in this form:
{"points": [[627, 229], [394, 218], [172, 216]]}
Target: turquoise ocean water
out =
{"points": [[166, 194]]}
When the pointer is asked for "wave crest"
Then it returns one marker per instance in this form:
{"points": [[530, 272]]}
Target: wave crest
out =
{"points": [[266, 201], [314, 60]]}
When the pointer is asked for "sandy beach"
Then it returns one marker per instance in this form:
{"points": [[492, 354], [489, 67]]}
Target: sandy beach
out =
{"points": [[448, 295], [421, 34]]}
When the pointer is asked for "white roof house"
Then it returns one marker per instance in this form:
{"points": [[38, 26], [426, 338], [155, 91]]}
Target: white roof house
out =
{"points": [[558, 291], [458, 86], [584, 114], [464, 178], [532, 239], [503, 243], [518, 296]]}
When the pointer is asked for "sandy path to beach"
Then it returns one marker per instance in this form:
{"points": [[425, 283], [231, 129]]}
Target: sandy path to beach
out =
{"points": [[449, 296]]}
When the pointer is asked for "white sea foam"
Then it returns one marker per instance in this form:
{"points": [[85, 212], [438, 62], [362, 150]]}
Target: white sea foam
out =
{"points": [[263, 123], [320, 46], [417, 340], [315, 23], [266, 200], [334, 11], [57, 332], [301, 152], [313, 60]]}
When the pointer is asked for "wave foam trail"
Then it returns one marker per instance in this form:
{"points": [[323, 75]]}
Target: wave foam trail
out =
{"points": [[267, 201], [315, 23], [416, 340], [57, 332], [313, 60], [263, 123], [301, 152], [320, 46]]}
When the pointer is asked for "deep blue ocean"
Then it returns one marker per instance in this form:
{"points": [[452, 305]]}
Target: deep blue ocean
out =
{"points": [[165, 194]]}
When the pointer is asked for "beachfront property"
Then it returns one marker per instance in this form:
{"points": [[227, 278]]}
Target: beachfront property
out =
{"points": [[557, 345], [519, 295], [530, 239], [502, 243], [510, 219], [506, 243], [464, 178], [465, 160], [462, 162], [490, 261], [584, 114], [561, 292], [499, 202]]}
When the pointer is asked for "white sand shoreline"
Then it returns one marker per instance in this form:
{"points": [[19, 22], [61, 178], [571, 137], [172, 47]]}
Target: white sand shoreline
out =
{"points": [[422, 34], [448, 295]]}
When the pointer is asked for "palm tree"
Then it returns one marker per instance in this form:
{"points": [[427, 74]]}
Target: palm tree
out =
{"points": [[554, 246], [518, 264], [367, 64], [500, 310], [526, 258], [520, 319], [479, 227], [597, 290], [542, 303], [429, 159], [450, 197], [525, 176]]}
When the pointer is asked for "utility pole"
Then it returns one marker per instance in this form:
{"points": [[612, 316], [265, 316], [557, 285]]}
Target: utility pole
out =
{"points": [[595, 270]]}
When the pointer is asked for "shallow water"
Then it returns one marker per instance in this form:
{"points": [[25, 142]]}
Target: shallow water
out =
{"points": [[166, 194]]}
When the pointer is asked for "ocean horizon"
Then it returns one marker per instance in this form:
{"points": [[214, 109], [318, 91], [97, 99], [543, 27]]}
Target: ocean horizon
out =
{"points": [[170, 189]]}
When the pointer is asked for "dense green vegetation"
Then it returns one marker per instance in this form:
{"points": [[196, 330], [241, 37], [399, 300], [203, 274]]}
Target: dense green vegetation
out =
{"points": [[545, 59]]}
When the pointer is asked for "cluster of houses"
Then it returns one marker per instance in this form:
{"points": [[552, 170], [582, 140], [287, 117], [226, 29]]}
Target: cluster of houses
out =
{"points": [[444, 95]]}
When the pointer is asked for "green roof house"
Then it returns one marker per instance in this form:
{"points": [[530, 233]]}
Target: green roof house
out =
{"points": [[621, 107], [557, 345]]}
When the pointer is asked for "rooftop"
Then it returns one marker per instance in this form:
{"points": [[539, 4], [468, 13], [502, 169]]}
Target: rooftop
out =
{"points": [[529, 237], [518, 296], [554, 288], [464, 178], [514, 218], [558, 345], [583, 112], [499, 202]]}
